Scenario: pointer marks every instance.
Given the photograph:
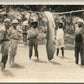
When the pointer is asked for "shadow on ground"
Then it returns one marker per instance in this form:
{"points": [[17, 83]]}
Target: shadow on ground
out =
{"points": [[63, 57], [82, 66], [7, 73], [17, 66], [54, 63], [38, 60]]}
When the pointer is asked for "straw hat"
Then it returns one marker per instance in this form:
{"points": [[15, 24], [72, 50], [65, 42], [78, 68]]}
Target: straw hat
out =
{"points": [[15, 21], [78, 20], [25, 23], [7, 20]]}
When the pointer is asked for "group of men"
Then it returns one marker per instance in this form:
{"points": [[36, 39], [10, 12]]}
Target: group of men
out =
{"points": [[10, 37], [9, 40]]}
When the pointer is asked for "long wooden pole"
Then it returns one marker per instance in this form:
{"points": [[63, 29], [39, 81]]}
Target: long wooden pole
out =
{"points": [[60, 12]]}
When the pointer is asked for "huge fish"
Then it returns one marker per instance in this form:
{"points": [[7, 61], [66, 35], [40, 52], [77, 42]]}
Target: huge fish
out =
{"points": [[50, 46]]}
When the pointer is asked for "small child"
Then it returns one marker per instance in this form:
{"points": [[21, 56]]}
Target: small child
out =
{"points": [[60, 38]]}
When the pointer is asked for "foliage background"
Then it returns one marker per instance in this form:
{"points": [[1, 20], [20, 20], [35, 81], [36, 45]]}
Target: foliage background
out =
{"points": [[21, 13]]}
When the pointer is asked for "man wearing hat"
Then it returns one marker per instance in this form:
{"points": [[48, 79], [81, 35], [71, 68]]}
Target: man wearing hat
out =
{"points": [[25, 28], [79, 41], [33, 40], [14, 37], [5, 44]]}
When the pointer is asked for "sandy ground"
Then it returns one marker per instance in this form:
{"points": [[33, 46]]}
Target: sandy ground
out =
{"points": [[58, 70]]}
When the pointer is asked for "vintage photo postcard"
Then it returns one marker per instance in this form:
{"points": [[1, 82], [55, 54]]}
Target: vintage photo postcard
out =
{"points": [[42, 42]]}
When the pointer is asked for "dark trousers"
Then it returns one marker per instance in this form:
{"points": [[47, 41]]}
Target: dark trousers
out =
{"points": [[4, 60], [79, 49], [62, 49], [33, 43], [4, 51]]}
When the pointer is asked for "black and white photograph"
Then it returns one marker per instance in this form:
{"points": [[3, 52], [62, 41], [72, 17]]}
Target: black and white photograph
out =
{"points": [[41, 43]]}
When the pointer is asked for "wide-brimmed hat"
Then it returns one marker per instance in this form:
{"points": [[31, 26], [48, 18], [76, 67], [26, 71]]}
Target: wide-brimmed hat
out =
{"points": [[78, 20], [25, 23], [7, 20], [15, 21]]}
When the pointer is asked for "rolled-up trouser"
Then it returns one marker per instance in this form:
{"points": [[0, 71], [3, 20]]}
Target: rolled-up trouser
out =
{"points": [[33, 43], [79, 49], [13, 47], [4, 51]]}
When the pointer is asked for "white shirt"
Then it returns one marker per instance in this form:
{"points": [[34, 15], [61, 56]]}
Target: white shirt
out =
{"points": [[60, 34]]}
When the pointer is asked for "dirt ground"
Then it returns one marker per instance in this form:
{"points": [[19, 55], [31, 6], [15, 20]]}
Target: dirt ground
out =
{"points": [[58, 70]]}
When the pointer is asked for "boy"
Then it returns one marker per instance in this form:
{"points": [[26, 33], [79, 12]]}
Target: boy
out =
{"points": [[60, 38]]}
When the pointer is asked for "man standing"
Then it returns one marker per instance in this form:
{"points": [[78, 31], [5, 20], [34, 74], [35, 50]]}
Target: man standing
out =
{"points": [[79, 47], [25, 28], [5, 44], [14, 37], [33, 35]]}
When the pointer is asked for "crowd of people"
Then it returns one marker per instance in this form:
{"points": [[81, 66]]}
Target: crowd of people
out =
{"points": [[10, 36], [9, 42]]}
